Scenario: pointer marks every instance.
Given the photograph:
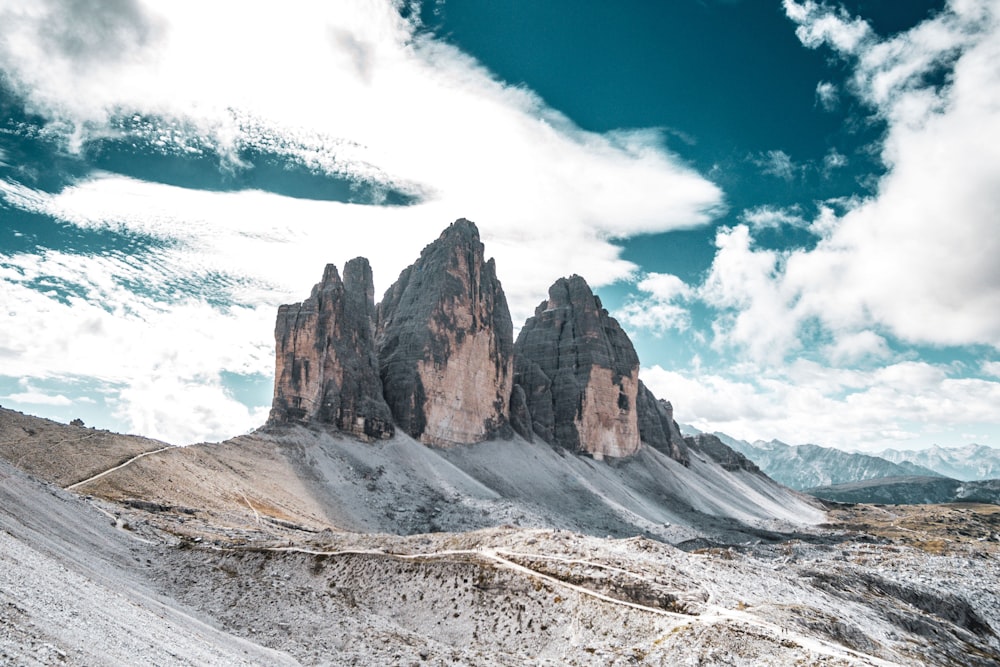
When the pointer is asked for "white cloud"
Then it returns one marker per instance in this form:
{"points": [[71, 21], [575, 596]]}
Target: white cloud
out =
{"points": [[755, 308], [833, 160], [819, 24], [827, 95], [991, 368], [904, 404], [917, 259], [770, 217], [660, 310], [34, 397], [777, 163], [855, 347], [347, 88]]}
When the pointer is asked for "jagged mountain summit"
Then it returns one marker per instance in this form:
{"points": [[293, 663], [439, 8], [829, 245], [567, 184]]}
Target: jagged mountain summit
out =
{"points": [[436, 358], [326, 369], [580, 374], [444, 342]]}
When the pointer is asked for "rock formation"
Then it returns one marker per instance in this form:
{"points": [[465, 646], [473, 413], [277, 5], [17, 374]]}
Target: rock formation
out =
{"points": [[444, 341], [326, 368], [657, 427], [721, 453], [436, 358], [579, 373]]}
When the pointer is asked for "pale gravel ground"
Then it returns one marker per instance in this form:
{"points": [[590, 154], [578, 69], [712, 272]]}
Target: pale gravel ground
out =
{"points": [[90, 582]]}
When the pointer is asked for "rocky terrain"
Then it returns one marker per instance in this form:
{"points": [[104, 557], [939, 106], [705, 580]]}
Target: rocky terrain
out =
{"points": [[88, 581], [429, 491]]}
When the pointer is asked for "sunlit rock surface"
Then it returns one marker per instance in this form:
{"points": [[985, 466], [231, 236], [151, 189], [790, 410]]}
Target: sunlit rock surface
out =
{"points": [[445, 343], [579, 373], [326, 370]]}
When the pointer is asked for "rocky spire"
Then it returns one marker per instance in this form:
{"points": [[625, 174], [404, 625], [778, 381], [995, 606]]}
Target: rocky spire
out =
{"points": [[657, 427], [579, 373], [326, 368], [444, 341]]}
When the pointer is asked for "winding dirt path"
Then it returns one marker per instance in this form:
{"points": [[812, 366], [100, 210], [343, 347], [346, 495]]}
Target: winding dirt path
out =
{"points": [[712, 614], [117, 467]]}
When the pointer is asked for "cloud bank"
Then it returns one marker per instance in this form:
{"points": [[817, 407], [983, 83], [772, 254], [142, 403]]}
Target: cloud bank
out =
{"points": [[350, 90], [915, 262]]}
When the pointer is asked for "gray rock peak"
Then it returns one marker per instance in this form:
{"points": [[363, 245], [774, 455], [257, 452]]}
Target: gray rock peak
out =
{"points": [[326, 370], [579, 373], [657, 427], [445, 341]]}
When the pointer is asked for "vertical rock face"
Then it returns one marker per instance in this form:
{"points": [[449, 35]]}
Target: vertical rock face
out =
{"points": [[579, 373], [444, 342], [657, 427], [326, 368]]}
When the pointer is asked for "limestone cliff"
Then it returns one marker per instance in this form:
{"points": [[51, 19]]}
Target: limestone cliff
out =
{"points": [[444, 342], [657, 427], [579, 373], [326, 369]]}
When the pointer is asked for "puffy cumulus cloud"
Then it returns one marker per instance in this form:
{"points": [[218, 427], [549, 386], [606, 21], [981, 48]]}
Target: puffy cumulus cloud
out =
{"points": [[755, 307], [819, 24], [349, 89], [918, 258], [901, 405], [661, 308], [855, 347]]}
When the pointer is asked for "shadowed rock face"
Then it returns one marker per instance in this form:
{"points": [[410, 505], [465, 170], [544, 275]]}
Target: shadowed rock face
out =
{"points": [[657, 427], [579, 373], [326, 368], [721, 453], [445, 342]]}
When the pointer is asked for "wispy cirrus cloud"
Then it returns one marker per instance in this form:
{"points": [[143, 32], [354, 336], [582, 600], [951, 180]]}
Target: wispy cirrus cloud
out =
{"points": [[777, 163], [827, 95]]}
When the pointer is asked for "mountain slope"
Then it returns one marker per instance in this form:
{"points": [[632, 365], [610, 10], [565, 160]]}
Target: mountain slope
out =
{"points": [[320, 479], [64, 453]]}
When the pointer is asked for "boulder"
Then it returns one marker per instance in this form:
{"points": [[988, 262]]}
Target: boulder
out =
{"points": [[579, 373], [444, 341], [326, 370]]}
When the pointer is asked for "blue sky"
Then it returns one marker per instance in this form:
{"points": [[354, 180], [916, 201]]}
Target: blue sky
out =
{"points": [[790, 206]]}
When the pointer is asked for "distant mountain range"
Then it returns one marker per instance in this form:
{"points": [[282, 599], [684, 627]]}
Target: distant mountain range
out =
{"points": [[937, 474], [810, 466], [968, 463]]}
